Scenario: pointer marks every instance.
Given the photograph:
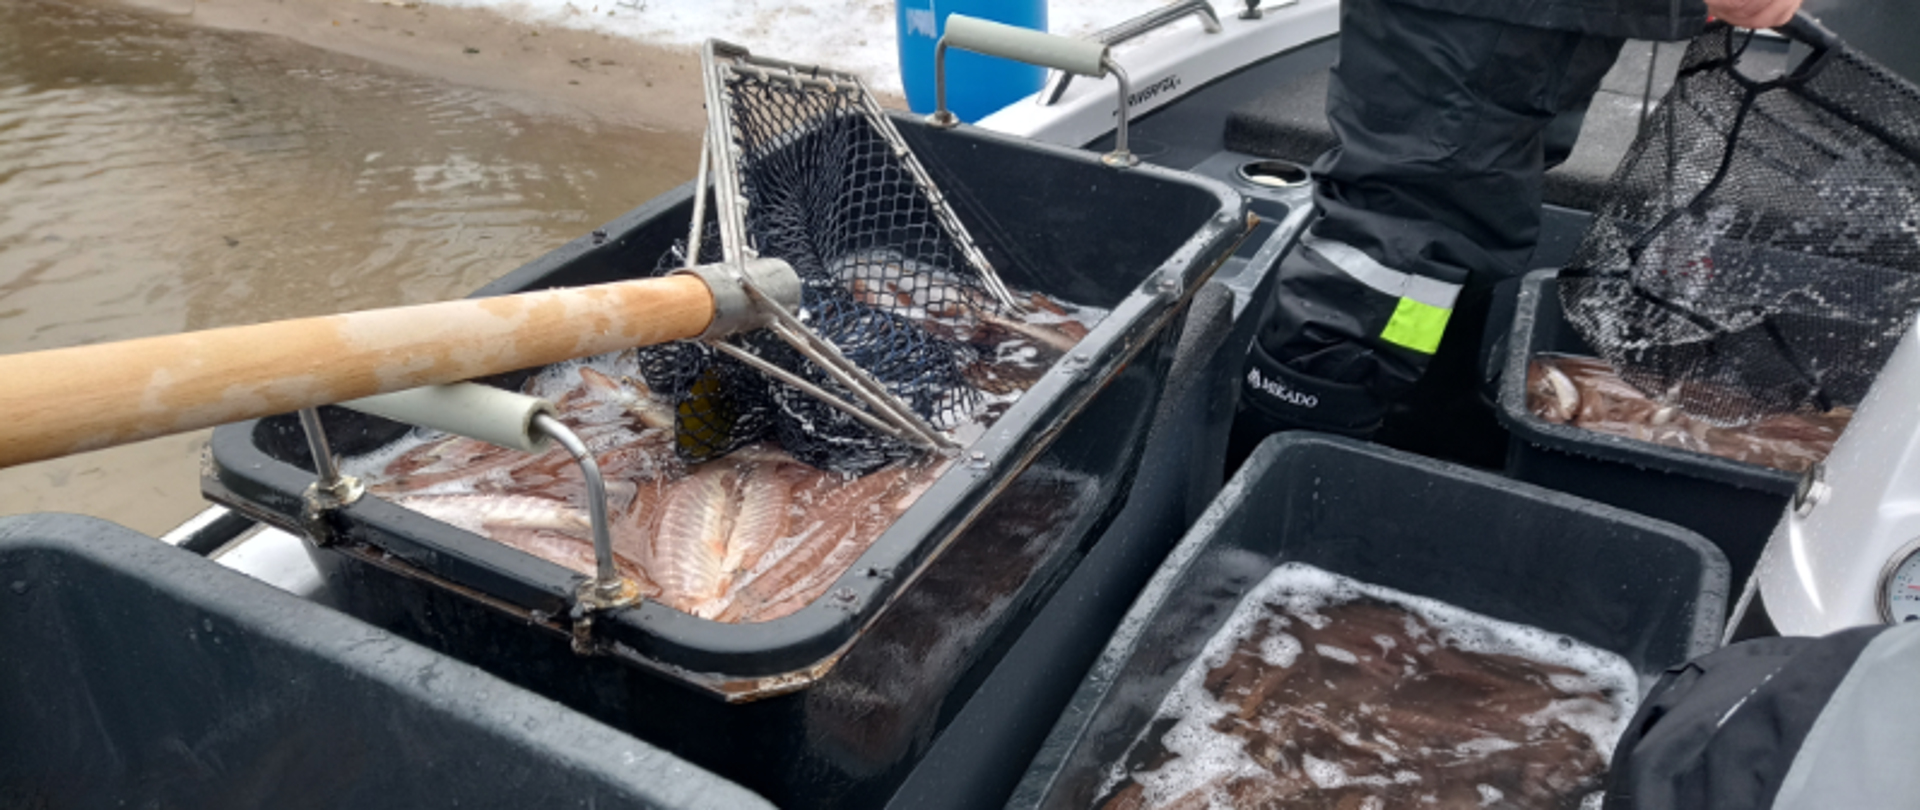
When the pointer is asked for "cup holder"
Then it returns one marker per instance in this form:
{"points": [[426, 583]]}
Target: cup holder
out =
{"points": [[1274, 174]]}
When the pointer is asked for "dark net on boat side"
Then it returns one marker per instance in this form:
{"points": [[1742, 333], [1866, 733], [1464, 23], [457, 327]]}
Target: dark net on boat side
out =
{"points": [[882, 280], [1758, 251]]}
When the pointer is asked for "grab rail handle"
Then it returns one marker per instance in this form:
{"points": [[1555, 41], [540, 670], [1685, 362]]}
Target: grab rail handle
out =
{"points": [[1157, 18]]}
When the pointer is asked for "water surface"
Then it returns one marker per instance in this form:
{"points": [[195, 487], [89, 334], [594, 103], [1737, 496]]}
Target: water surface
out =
{"points": [[157, 177]]}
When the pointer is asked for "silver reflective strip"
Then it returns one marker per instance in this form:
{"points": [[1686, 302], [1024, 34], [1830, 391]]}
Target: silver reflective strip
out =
{"points": [[1364, 269]]}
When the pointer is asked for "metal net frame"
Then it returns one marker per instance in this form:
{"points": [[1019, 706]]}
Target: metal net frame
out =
{"points": [[1758, 251], [806, 167]]}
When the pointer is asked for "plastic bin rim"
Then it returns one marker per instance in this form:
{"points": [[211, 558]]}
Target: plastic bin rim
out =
{"points": [[1709, 616]]}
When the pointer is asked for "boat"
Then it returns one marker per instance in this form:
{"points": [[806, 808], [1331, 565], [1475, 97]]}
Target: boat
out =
{"points": [[1229, 95]]}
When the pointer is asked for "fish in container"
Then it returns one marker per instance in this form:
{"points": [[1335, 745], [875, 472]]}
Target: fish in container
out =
{"points": [[740, 481], [734, 535], [1323, 691], [1588, 393]]}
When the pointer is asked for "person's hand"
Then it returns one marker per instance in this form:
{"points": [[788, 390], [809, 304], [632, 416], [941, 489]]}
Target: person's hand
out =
{"points": [[1754, 13]]}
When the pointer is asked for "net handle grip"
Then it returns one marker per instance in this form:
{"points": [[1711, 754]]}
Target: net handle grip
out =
{"points": [[492, 415], [1804, 28], [1077, 56]]}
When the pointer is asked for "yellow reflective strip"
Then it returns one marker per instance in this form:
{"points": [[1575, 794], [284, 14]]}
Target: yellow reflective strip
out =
{"points": [[1416, 326]]}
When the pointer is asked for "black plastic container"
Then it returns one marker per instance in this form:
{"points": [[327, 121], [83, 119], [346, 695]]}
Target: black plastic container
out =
{"points": [[1646, 590], [833, 704], [137, 674], [978, 759], [1732, 503]]}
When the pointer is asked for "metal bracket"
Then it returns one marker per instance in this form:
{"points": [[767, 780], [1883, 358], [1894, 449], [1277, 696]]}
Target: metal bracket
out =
{"points": [[733, 288], [1120, 157], [1069, 55], [1811, 491], [583, 634], [607, 589], [593, 597], [331, 490]]}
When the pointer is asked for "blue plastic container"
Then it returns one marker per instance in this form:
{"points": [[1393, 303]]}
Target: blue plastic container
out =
{"points": [[976, 85]]}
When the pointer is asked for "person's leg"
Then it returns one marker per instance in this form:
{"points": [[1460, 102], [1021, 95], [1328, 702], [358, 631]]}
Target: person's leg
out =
{"points": [[1432, 196]]}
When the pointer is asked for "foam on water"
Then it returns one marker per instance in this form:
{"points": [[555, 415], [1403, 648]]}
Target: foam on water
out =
{"points": [[1306, 589], [1280, 650], [1203, 756], [1336, 653], [373, 463]]}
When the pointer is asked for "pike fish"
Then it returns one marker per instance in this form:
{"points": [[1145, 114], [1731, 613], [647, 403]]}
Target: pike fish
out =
{"points": [[721, 521], [842, 519], [689, 549], [630, 397], [573, 553], [550, 530]]}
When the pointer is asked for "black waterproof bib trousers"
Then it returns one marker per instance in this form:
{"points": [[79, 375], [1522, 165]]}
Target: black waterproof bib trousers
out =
{"points": [[1445, 112]]}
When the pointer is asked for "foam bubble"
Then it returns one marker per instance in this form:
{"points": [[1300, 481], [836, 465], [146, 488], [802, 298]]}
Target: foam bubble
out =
{"points": [[1487, 745], [1323, 773], [1280, 650], [373, 462], [1336, 653], [1605, 673]]}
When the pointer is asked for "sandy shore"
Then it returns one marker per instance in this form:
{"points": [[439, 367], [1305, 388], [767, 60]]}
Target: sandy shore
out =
{"points": [[542, 69]]}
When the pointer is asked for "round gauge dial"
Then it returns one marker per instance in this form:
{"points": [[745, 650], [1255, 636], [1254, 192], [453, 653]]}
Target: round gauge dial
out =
{"points": [[1899, 595]]}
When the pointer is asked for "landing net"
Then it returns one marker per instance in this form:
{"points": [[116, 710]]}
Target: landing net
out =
{"points": [[807, 168], [1758, 251]]}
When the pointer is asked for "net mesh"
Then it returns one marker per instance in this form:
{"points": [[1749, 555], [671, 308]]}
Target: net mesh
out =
{"points": [[886, 275], [1759, 248]]}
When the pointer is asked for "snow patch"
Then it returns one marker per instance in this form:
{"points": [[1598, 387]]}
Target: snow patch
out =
{"points": [[858, 36]]}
